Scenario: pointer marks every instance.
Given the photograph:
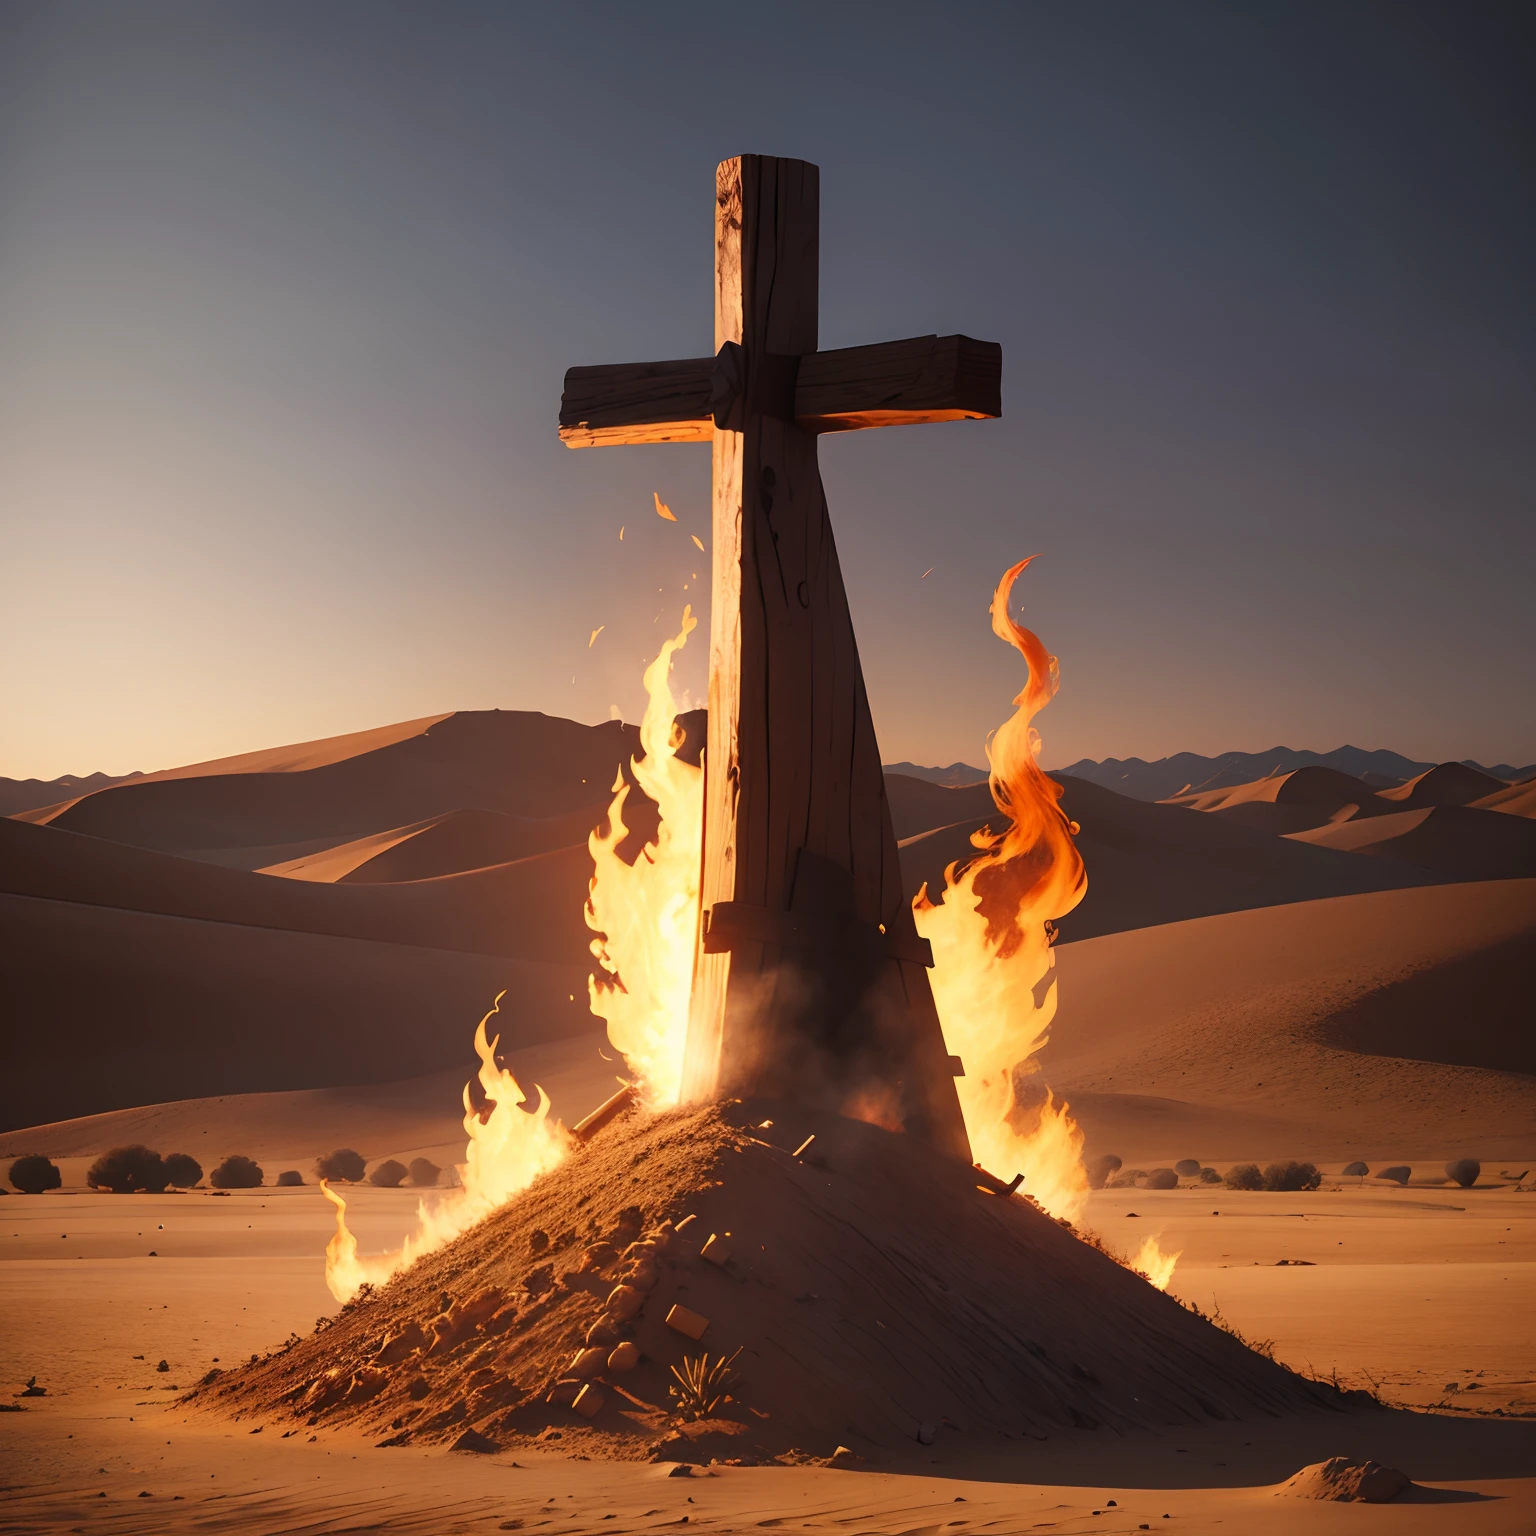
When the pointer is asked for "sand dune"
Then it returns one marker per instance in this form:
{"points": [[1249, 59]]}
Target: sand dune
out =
{"points": [[1516, 800], [1461, 842], [1445, 784], [529, 907], [1146, 863], [443, 845], [1387, 1025], [108, 1008], [516, 762]]}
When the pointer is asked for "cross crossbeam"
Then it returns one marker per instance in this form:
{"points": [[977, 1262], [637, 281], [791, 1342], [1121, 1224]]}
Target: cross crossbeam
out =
{"points": [[810, 980], [890, 384]]}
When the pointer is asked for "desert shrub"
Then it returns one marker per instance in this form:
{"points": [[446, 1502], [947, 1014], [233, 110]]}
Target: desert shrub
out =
{"points": [[343, 1164], [1126, 1178], [1102, 1169], [424, 1171], [1399, 1173], [125, 1170], [388, 1174], [289, 1178], [1355, 1170], [1244, 1176], [33, 1174], [1187, 1168], [236, 1172], [1463, 1171], [182, 1171], [1209, 1176], [1290, 1177], [1162, 1178]]}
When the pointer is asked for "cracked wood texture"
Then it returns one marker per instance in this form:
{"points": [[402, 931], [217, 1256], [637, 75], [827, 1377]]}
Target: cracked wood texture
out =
{"points": [[792, 762]]}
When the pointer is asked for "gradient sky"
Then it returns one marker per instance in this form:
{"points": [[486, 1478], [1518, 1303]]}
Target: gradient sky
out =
{"points": [[287, 292]]}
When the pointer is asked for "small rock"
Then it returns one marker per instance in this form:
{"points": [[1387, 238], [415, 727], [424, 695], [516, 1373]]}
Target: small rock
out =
{"points": [[682, 1469], [588, 1363], [624, 1302], [623, 1357], [473, 1440], [927, 1433]]}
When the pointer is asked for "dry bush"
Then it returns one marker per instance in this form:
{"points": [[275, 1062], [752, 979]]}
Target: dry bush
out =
{"points": [[236, 1172], [289, 1178], [1102, 1169], [423, 1171], [1244, 1176], [388, 1174], [34, 1174], [1289, 1178], [1209, 1176], [341, 1166], [1463, 1171], [182, 1171], [1162, 1178], [126, 1170]]}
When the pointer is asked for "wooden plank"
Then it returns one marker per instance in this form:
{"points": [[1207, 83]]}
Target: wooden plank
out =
{"points": [[900, 383], [894, 383], [623, 403]]}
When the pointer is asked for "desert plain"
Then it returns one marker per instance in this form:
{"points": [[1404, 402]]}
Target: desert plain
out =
{"points": [[294, 948]]}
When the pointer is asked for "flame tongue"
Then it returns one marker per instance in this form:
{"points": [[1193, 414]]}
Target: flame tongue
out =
{"points": [[991, 940], [507, 1151], [646, 914]]}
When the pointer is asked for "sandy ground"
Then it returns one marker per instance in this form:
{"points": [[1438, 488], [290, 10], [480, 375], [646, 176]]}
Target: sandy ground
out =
{"points": [[1415, 1288]]}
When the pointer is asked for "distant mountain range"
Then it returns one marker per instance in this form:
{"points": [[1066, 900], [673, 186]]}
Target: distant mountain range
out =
{"points": [[1188, 772]]}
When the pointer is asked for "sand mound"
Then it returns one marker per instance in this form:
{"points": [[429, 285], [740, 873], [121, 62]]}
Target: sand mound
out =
{"points": [[1315, 787], [874, 1294], [1516, 800], [1343, 1481]]}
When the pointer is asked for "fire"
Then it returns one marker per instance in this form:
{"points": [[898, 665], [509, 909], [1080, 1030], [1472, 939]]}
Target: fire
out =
{"points": [[1157, 1266], [991, 939], [646, 914], [508, 1149]]}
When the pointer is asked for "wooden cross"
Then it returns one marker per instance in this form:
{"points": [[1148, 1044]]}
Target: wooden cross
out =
{"points": [[810, 979]]}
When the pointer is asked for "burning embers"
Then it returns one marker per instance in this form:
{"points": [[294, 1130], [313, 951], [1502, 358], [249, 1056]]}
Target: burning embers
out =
{"points": [[991, 935]]}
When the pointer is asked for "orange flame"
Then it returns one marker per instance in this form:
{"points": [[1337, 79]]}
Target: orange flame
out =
{"points": [[991, 939], [507, 1151], [646, 914], [1154, 1264]]}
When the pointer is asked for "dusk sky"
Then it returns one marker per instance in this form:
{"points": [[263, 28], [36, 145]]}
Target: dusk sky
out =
{"points": [[287, 292]]}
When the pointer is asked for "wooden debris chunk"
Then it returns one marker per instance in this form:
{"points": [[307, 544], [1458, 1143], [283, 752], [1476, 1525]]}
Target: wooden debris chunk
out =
{"points": [[718, 1249], [588, 1401], [608, 1110], [686, 1322], [803, 1146]]}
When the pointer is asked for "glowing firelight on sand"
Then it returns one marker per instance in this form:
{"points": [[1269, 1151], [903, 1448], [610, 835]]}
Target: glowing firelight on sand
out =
{"points": [[992, 949], [507, 1151], [1157, 1266], [646, 914]]}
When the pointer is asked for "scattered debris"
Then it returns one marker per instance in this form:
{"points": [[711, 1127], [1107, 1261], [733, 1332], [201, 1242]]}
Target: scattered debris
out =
{"points": [[473, 1440], [686, 1321]]}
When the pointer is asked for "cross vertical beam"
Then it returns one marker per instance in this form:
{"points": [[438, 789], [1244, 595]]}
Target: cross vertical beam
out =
{"points": [[792, 764]]}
